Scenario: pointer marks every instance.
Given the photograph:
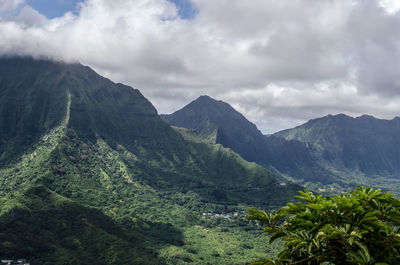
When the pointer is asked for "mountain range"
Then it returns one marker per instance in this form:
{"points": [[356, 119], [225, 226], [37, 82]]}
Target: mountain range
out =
{"points": [[333, 152], [90, 173], [218, 122], [363, 150]]}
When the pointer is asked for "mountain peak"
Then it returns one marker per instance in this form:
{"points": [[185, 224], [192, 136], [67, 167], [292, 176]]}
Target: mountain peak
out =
{"points": [[366, 117], [51, 93], [340, 116], [208, 116], [218, 122], [204, 97], [207, 98], [208, 101]]}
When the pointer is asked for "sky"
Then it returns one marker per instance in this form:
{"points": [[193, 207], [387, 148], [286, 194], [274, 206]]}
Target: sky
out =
{"points": [[54, 8], [280, 63]]}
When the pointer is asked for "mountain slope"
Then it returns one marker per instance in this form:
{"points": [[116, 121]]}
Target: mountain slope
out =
{"points": [[364, 145], [35, 96], [99, 144], [208, 118], [50, 229], [217, 120], [330, 154]]}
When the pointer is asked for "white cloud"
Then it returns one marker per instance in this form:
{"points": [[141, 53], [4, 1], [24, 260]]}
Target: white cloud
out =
{"points": [[391, 6], [278, 106], [6, 5], [29, 17], [280, 62]]}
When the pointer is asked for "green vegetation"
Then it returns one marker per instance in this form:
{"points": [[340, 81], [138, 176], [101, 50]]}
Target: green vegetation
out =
{"points": [[362, 150], [163, 224], [330, 155], [217, 120], [361, 227], [89, 173], [49, 229]]}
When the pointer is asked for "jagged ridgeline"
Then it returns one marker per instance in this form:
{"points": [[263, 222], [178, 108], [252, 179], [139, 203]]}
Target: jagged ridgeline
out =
{"points": [[218, 122], [330, 154], [363, 150], [90, 173]]}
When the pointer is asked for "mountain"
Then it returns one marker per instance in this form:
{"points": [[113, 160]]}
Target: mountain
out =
{"points": [[210, 119], [330, 154], [89, 173], [218, 122], [362, 150]]}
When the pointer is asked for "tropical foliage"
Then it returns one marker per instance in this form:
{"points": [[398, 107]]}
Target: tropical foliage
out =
{"points": [[361, 227]]}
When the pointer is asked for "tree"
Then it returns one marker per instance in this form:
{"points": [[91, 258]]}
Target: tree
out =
{"points": [[361, 227]]}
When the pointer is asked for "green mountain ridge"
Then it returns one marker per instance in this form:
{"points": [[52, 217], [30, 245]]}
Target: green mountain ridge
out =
{"points": [[212, 119], [329, 154], [364, 150], [71, 138]]}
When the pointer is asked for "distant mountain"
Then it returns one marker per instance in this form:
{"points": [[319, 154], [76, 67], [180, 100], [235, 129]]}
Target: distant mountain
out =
{"points": [[354, 147], [89, 173], [330, 154], [218, 122]]}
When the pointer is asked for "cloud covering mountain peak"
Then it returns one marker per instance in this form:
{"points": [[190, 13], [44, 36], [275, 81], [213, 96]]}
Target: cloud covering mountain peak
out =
{"points": [[279, 62]]}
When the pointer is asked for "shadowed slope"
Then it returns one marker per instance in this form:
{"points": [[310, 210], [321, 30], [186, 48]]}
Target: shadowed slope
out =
{"points": [[217, 120], [49, 229], [364, 145]]}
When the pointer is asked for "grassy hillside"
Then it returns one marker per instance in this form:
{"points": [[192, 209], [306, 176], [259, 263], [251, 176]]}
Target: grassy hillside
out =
{"points": [[95, 170]]}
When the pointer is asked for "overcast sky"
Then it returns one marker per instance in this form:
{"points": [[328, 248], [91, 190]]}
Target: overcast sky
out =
{"points": [[280, 63]]}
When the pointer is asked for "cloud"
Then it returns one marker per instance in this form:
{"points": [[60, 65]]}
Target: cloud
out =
{"points": [[391, 6], [286, 105], [279, 62], [6, 5], [29, 17]]}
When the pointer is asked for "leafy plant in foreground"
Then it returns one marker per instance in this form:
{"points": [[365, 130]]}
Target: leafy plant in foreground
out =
{"points": [[361, 227]]}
